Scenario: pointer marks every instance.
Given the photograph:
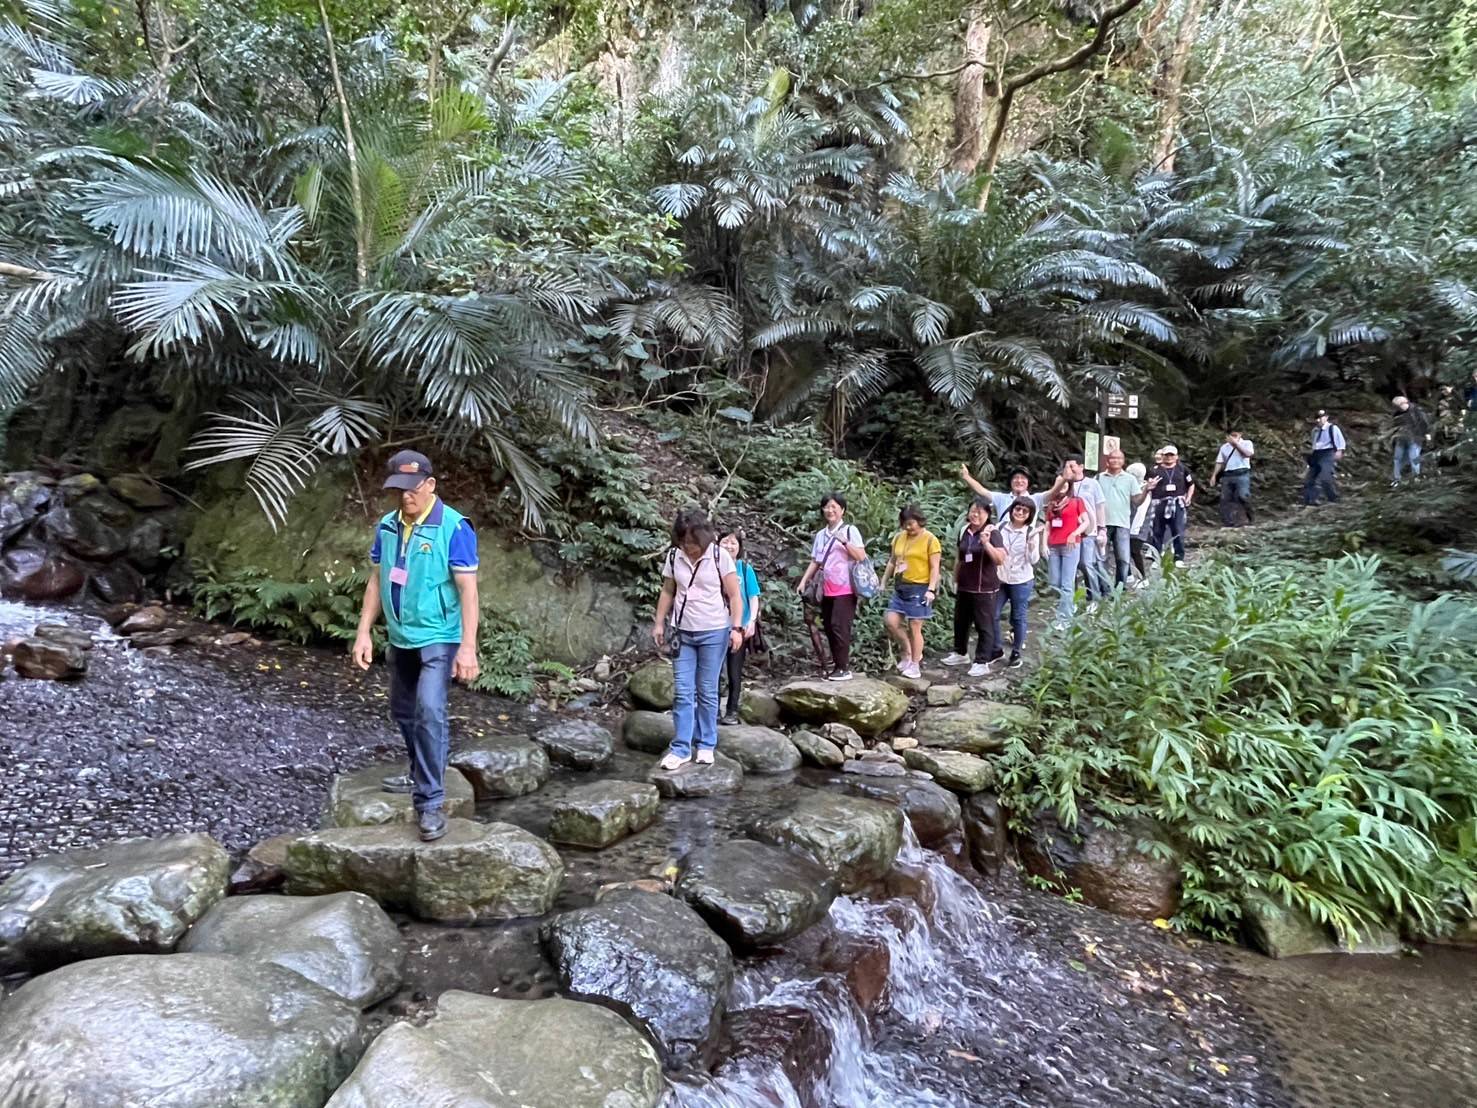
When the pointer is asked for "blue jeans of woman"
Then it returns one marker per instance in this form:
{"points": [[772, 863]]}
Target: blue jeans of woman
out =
{"points": [[1061, 567], [698, 664], [419, 682], [1019, 599]]}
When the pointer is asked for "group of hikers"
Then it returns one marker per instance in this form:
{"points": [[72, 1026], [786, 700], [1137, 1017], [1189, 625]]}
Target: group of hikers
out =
{"points": [[424, 563]]}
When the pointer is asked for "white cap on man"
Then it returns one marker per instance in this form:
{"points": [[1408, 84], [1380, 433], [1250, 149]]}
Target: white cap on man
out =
{"points": [[1169, 450]]}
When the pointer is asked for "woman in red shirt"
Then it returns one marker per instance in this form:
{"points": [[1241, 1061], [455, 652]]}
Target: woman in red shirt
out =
{"points": [[1067, 520]]}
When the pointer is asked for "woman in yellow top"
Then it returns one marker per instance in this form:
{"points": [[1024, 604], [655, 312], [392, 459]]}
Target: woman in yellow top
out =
{"points": [[916, 554]]}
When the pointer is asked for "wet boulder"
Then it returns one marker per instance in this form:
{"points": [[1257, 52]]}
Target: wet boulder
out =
{"points": [[134, 896], [759, 749], [651, 955], [65, 634], [984, 832], [343, 942], [118, 583], [152, 618], [868, 705], [12, 521], [140, 492], [931, 809], [28, 492], [1112, 867], [817, 749], [502, 766], [45, 660], [28, 573], [978, 727], [185, 1031], [857, 767], [853, 838], [80, 532], [653, 686], [1279, 930], [77, 487], [477, 871], [943, 696], [576, 743], [795, 1041], [650, 732], [723, 776], [760, 708], [262, 868], [754, 894], [964, 773], [604, 812], [481, 1052], [912, 686], [146, 543], [358, 800]]}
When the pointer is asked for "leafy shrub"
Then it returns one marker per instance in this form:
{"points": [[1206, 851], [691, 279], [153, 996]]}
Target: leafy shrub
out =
{"points": [[1303, 731], [505, 657], [296, 610]]}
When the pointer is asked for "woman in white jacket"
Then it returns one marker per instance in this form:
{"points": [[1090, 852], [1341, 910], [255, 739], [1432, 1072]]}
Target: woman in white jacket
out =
{"points": [[1023, 544]]}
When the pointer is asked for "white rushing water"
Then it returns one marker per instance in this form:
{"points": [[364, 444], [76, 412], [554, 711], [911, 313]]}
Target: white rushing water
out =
{"points": [[930, 941]]}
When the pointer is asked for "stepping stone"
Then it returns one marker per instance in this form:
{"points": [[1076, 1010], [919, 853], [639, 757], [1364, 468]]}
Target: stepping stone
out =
{"points": [[760, 708], [482, 1052], [854, 839], [185, 1031], [964, 773], [975, 728], [913, 686], [343, 941], [753, 894], [868, 768], [500, 766], [650, 955], [476, 871], [604, 812], [577, 743], [943, 696], [358, 800], [135, 896], [653, 686], [817, 750], [692, 780], [932, 809], [45, 660], [864, 703], [651, 732], [759, 749], [65, 635]]}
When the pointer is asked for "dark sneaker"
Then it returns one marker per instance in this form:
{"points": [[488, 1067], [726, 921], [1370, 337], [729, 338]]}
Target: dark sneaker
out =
{"points": [[432, 824], [1015, 662], [730, 720], [398, 784]]}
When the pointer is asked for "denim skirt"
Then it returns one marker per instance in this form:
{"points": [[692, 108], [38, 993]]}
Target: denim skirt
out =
{"points": [[907, 600]]}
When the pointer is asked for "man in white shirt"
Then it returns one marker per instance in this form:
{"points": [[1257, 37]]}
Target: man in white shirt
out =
{"points": [[1095, 543], [1233, 468], [1327, 450]]}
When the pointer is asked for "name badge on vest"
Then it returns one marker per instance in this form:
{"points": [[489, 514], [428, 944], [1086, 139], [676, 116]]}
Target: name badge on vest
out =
{"points": [[1057, 522], [399, 575], [968, 558], [1169, 488]]}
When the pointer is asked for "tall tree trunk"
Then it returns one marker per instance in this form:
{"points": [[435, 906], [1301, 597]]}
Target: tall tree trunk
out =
{"points": [[969, 96], [1170, 87], [356, 186]]}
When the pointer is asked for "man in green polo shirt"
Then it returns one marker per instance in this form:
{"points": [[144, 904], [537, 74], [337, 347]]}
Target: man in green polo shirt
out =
{"points": [[424, 580], [1122, 493]]}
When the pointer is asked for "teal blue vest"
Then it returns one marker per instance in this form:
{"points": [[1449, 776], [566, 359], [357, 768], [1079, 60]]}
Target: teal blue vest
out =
{"points": [[430, 607]]}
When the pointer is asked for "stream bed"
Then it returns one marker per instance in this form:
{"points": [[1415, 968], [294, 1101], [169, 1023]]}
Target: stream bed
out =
{"points": [[985, 991]]}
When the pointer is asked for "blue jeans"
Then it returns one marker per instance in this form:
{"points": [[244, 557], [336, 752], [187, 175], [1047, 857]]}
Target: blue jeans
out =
{"points": [[1094, 567], [1321, 465], [1019, 599], [1118, 542], [1061, 572], [419, 682], [1235, 489], [699, 661], [1407, 453], [1169, 524]]}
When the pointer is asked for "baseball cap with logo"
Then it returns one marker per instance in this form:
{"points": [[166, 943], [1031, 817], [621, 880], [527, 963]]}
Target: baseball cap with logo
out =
{"points": [[407, 470]]}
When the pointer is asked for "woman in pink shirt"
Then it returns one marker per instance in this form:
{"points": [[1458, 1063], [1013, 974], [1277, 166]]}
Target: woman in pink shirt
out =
{"points": [[836, 546]]}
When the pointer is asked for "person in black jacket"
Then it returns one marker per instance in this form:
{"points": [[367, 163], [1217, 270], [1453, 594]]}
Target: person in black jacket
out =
{"points": [[1412, 431]]}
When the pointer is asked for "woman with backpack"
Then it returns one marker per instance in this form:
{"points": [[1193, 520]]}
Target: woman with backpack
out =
{"points": [[732, 543], [700, 584], [916, 555], [827, 581]]}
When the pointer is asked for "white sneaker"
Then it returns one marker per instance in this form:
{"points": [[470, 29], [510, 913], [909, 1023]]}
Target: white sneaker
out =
{"points": [[980, 669], [913, 670], [901, 665], [955, 659], [704, 758], [674, 761]]}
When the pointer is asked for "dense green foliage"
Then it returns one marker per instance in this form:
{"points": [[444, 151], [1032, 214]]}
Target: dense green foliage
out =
{"points": [[297, 611], [1299, 729]]}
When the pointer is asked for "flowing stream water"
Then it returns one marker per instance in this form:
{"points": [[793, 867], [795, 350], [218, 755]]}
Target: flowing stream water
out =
{"points": [[948, 989]]}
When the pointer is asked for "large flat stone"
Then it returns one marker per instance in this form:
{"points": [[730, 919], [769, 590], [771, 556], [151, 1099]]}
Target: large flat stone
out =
{"points": [[754, 894], [502, 766], [475, 872], [724, 775], [964, 773], [357, 800], [759, 749], [817, 749], [650, 732], [342, 941], [653, 685], [135, 896], [576, 743], [185, 1031], [868, 705], [932, 809], [853, 838], [652, 955], [978, 727], [481, 1052], [603, 812]]}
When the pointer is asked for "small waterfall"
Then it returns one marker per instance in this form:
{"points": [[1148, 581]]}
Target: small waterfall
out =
{"points": [[929, 940]]}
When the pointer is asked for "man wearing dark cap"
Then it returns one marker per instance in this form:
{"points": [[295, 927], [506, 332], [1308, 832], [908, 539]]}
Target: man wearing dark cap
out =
{"points": [[424, 580]]}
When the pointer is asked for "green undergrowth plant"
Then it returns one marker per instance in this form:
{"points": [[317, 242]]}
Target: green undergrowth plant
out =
{"points": [[505, 658], [1301, 730], [325, 608]]}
